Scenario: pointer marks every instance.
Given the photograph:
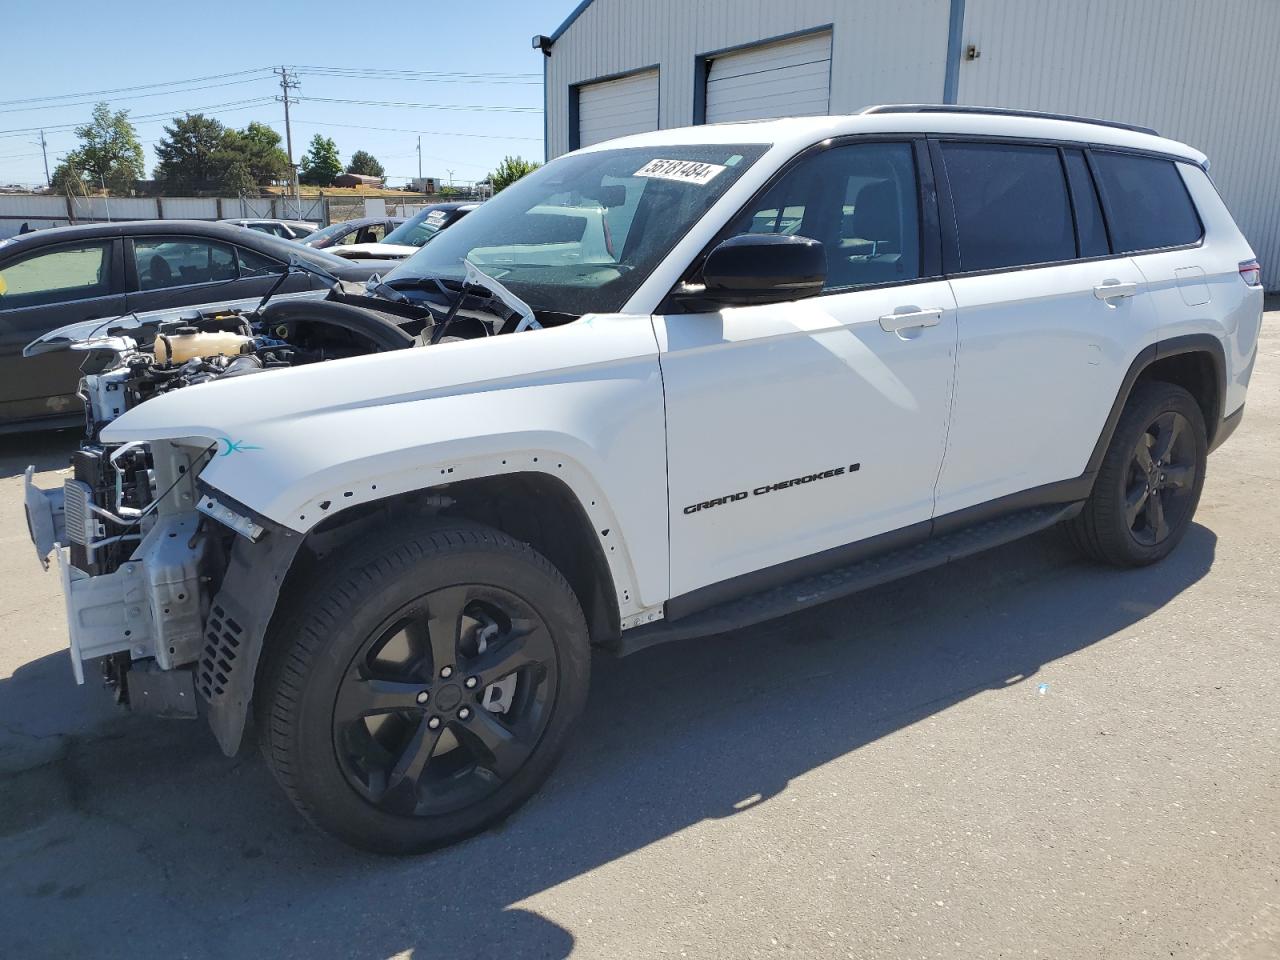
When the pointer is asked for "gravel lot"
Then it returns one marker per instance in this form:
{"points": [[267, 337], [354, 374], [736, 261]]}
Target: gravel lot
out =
{"points": [[1018, 756]]}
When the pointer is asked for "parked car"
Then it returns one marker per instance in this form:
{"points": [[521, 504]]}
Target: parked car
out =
{"points": [[284, 229], [63, 275], [823, 353], [410, 235], [347, 232]]}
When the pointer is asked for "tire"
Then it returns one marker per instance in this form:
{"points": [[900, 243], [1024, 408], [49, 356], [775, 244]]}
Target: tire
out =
{"points": [[1140, 507], [341, 710]]}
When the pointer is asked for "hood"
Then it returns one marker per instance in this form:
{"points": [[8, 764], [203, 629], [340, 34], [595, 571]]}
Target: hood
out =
{"points": [[279, 429], [267, 400]]}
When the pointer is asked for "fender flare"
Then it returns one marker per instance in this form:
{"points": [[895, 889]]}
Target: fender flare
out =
{"points": [[1191, 343], [257, 576]]}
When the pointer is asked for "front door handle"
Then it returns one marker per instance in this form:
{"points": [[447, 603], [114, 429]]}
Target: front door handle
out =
{"points": [[1114, 290], [910, 318]]}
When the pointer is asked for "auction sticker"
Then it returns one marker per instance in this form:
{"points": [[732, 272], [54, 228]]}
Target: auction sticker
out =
{"points": [[685, 171]]}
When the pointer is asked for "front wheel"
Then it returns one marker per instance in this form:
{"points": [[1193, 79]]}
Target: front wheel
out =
{"points": [[424, 690], [1149, 484]]}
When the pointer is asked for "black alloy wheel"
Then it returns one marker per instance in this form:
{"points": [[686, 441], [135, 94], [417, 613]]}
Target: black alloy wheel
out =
{"points": [[423, 684], [1148, 485], [1162, 476], [445, 701]]}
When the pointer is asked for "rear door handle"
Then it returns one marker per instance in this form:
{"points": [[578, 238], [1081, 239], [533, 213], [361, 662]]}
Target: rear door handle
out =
{"points": [[909, 318], [1114, 290]]}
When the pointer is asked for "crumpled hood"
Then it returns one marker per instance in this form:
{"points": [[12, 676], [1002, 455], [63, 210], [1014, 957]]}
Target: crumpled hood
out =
{"points": [[377, 424], [236, 405]]}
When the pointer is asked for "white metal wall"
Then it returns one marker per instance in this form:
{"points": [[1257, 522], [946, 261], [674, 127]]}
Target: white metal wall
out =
{"points": [[1206, 72], [53, 211], [882, 50]]}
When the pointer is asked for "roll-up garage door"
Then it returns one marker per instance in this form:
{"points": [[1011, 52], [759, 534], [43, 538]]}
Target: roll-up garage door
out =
{"points": [[791, 78], [616, 108]]}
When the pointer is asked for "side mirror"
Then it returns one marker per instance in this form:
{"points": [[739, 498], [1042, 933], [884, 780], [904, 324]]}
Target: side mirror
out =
{"points": [[761, 268]]}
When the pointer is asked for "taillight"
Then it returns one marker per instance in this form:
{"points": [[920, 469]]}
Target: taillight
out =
{"points": [[1251, 273]]}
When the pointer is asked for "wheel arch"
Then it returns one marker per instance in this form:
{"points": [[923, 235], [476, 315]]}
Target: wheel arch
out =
{"points": [[534, 507], [1196, 362]]}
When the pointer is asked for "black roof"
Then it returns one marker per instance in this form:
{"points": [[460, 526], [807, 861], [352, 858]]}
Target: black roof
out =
{"points": [[133, 228]]}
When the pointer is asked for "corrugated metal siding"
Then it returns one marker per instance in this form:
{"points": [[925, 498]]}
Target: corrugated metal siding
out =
{"points": [[1202, 71], [197, 208], [616, 108], [881, 51], [787, 79]]}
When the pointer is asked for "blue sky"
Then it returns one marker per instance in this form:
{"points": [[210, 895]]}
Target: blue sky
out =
{"points": [[82, 46]]}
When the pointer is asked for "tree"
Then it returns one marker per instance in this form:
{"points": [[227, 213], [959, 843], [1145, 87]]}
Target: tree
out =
{"points": [[321, 163], [260, 147], [200, 154], [192, 154], [510, 170], [109, 155], [365, 163]]}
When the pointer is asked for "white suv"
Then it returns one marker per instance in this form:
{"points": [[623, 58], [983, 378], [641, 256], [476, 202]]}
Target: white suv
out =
{"points": [[814, 355]]}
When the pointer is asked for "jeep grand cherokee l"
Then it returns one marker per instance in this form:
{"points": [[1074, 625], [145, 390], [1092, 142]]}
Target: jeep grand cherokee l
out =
{"points": [[814, 354]]}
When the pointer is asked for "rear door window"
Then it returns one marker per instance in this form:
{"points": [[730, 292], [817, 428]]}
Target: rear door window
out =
{"points": [[164, 263], [1011, 205], [1147, 202], [75, 272]]}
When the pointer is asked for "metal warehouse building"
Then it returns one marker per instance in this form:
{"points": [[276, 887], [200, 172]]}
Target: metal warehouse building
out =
{"points": [[1203, 71]]}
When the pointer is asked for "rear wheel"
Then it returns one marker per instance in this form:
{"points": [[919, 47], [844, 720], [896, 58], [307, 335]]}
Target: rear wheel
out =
{"points": [[425, 690], [1147, 489]]}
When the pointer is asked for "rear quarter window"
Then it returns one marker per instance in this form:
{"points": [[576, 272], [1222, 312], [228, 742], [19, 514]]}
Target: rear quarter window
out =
{"points": [[1147, 202]]}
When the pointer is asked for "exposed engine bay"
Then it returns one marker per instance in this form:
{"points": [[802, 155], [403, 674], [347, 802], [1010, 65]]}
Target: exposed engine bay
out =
{"points": [[141, 547], [129, 364]]}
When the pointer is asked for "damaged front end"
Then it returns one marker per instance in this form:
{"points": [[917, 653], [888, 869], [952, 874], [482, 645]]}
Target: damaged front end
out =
{"points": [[136, 560], [167, 582]]}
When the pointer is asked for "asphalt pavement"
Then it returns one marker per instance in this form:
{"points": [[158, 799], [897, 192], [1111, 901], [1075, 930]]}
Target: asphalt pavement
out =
{"points": [[1020, 755]]}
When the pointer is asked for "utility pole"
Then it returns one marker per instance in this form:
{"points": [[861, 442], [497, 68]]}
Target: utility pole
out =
{"points": [[44, 149], [288, 81], [419, 156]]}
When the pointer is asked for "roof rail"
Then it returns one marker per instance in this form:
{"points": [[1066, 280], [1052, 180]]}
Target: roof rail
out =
{"points": [[1000, 111]]}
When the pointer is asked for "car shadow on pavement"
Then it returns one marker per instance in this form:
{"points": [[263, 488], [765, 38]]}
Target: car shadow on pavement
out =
{"points": [[135, 837], [49, 450]]}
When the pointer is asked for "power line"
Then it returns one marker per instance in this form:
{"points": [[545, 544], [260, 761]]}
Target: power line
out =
{"points": [[139, 96], [163, 115], [425, 133], [144, 86], [482, 108], [430, 76]]}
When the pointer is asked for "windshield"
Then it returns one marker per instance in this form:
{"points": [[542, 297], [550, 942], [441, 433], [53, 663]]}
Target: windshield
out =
{"points": [[581, 234], [333, 230], [420, 229]]}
